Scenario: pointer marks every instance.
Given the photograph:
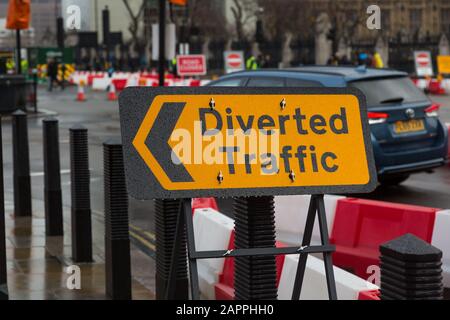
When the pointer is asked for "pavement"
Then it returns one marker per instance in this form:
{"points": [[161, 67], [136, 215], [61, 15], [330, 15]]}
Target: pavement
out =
{"points": [[36, 264]]}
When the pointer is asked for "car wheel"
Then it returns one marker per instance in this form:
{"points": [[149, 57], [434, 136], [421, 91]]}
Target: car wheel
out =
{"points": [[393, 180]]}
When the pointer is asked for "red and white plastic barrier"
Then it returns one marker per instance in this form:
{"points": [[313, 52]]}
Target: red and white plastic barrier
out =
{"points": [[215, 231], [101, 80], [357, 227], [433, 86], [212, 232]]}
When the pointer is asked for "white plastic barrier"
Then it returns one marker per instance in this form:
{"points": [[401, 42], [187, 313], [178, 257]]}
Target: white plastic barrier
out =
{"points": [[100, 83], [441, 240], [422, 83], [446, 85], [78, 77], [348, 286], [291, 213], [212, 231], [133, 80]]}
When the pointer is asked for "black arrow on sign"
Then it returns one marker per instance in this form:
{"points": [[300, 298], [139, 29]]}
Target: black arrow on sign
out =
{"points": [[158, 142]]}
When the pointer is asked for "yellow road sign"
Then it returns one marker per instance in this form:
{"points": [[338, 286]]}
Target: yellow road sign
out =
{"points": [[443, 63], [188, 142]]}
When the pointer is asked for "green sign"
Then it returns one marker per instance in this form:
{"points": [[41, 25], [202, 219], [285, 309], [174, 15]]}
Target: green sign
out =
{"points": [[41, 55]]}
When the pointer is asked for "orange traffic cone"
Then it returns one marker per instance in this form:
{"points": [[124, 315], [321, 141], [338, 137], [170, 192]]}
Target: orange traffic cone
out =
{"points": [[80, 93], [112, 92]]}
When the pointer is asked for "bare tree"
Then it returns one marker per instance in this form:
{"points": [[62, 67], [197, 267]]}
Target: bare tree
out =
{"points": [[135, 18], [207, 16], [287, 16], [346, 20], [243, 13]]}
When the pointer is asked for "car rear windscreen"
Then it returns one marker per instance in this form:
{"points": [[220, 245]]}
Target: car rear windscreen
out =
{"points": [[386, 91]]}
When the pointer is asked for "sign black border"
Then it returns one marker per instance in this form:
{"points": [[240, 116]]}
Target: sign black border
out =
{"points": [[134, 103]]}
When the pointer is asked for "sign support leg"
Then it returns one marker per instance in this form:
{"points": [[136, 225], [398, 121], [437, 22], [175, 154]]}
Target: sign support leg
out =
{"points": [[329, 272], [316, 205], [193, 272], [305, 242]]}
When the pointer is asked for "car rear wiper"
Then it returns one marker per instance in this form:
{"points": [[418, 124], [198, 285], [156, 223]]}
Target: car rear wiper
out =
{"points": [[393, 100]]}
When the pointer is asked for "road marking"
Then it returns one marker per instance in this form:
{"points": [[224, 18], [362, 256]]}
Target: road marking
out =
{"points": [[147, 233], [143, 241], [138, 237]]}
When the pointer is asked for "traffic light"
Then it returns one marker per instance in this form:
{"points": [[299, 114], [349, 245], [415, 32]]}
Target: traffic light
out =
{"points": [[179, 2]]}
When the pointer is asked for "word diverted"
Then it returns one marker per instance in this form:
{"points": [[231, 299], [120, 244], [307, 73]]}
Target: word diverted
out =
{"points": [[266, 124], [196, 142]]}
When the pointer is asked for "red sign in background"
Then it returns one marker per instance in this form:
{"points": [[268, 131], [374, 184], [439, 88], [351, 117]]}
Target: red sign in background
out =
{"points": [[191, 65], [234, 60], [423, 59]]}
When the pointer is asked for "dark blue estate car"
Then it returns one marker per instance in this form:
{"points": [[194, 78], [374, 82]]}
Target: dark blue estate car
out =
{"points": [[407, 135]]}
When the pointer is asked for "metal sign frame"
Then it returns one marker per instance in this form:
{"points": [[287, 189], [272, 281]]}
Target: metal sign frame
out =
{"points": [[185, 220], [142, 184]]}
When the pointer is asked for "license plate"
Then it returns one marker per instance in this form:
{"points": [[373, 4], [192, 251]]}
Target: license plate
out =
{"points": [[409, 126]]}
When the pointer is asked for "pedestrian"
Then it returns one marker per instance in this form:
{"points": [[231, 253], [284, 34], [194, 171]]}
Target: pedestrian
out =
{"points": [[377, 61], [52, 73], [173, 66], [266, 61], [252, 63], [333, 60]]}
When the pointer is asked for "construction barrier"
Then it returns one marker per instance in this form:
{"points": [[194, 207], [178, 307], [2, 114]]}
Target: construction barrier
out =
{"points": [[441, 240], [358, 227], [348, 286], [101, 84], [361, 226], [215, 231], [290, 217], [212, 232], [204, 203], [433, 86], [101, 80]]}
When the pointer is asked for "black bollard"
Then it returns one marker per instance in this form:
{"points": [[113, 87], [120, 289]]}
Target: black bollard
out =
{"points": [[3, 272], [117, 239], [81, 198], [21, 165], [411, 269], [255, 277], [166, 214], [52, 179]]}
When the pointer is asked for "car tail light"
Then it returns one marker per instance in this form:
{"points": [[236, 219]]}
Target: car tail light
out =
{"points": [[377, 117], [432, 111]]}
